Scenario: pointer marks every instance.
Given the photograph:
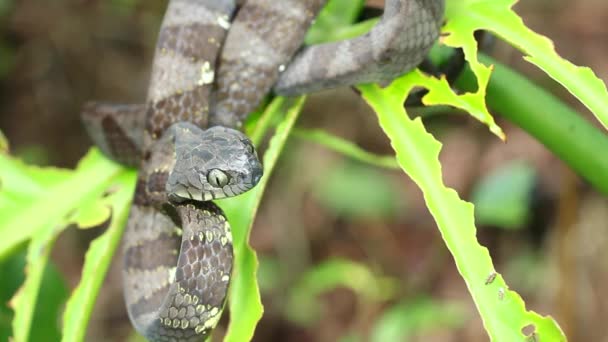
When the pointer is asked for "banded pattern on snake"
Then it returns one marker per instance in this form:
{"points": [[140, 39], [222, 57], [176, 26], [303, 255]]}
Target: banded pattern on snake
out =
{"points": [[211, 68]]}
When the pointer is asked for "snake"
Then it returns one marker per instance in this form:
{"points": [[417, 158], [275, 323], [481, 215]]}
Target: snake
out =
{"points": [[214, 62]]}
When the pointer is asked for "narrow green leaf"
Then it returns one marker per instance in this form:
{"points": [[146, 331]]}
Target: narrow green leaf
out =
{"points": [[270, 115], [15, 266], [48, 305], [24, 301], [467, 16], [336, 15], [245, 304], [502, 310], [346, 148], [97, 260]]}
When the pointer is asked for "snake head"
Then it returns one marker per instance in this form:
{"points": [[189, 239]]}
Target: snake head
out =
{"points": [[211, 164]]}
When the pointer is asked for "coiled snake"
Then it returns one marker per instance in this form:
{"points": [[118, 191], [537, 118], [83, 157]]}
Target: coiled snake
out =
{"points": [[211, 68]]}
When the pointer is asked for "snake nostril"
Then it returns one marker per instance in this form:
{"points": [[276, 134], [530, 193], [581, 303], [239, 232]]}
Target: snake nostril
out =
{"points": [[256, 175]]}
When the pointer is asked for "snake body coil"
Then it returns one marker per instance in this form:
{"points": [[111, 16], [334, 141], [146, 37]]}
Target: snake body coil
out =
{"points": [[213, 68]]}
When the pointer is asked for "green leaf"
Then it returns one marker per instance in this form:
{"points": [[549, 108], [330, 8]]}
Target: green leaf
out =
{"points": [[502, 198], [245, 304], [39, 203], [441, 93], [467, 16], [333, 18], [503, 311], [35, 199], [456, 33], [97, 260], [24, 302], [15, 266], [346, 148], [48, 304], [19, 183]]}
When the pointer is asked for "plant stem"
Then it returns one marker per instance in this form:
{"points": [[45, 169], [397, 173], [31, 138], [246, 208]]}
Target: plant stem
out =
{"points": [[561, 129]]}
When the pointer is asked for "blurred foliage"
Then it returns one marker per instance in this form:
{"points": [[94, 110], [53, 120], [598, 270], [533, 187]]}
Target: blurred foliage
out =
{"points": [[269, 274], [124, 6], [401, 321], [7, 59], [303, 305], [357, 191], [33, 155], [502, 198], [528, 270], [4, 147], [5, 6]]}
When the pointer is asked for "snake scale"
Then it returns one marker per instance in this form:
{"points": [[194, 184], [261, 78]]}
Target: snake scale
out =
{"points": [[214, 62]]}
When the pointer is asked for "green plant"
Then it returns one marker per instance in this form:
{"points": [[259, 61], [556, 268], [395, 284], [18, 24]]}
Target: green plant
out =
{"points": [[35, 206]]}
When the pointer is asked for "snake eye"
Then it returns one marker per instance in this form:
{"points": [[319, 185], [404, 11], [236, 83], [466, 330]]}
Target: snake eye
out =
{"points": [[217, 178]]}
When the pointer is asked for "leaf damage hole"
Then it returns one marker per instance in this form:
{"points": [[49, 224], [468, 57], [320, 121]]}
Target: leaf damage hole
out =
{"points": [[529, 331]]}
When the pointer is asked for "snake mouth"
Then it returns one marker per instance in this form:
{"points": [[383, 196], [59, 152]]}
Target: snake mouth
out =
{"points": [[209, 193], [194, 194]]}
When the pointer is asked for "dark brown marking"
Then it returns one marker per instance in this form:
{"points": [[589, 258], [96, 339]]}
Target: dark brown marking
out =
{"points": [[151, 254], [271, 27], [108, 124], [141, 198], [147, 305], [191, 41], [120, 145], [191, 106], [157, 181]]}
